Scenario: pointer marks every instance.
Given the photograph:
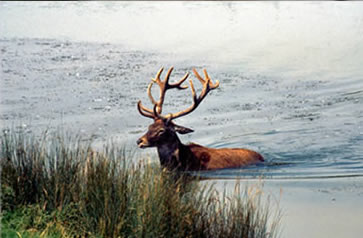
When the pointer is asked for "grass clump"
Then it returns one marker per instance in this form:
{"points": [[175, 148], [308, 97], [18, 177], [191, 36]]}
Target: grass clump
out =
{"points": [[57, 186]]}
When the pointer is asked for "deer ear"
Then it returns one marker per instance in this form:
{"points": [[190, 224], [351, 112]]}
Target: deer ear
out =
{"points": [[177, 128], [182, 129]]}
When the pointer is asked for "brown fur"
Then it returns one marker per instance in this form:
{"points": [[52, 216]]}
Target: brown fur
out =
{"points": [[211, 158]]}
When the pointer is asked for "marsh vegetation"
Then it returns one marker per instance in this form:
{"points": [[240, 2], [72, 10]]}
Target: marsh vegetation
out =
{"points": [[57, 186]]}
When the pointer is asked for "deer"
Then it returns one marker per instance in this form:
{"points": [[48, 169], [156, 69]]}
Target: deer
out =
{"points": [[162, 133]]}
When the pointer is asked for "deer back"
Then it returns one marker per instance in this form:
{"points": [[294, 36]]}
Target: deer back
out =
{"points": [[210, 158]]}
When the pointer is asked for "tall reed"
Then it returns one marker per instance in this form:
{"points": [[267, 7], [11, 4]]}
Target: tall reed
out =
{"points": [[56, 185]]}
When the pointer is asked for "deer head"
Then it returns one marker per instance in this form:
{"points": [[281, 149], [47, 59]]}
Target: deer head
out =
{"points": [[163, 130]]}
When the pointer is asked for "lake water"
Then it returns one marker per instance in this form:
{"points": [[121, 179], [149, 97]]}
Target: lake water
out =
{"points": [[291, 76]]}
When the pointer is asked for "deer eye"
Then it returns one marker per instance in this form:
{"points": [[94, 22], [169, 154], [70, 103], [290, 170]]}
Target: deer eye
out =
{"points": [[161, 131]]}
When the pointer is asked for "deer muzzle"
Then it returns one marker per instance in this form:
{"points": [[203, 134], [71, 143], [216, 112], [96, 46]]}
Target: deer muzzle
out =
{"points": [[142, 143]]}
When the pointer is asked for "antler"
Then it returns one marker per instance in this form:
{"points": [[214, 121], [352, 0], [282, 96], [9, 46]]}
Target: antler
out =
{"points": [[164, 86], [207, 87]]}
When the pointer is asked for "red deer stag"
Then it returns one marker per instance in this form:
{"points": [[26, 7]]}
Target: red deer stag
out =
{"points": [[172, 152]]}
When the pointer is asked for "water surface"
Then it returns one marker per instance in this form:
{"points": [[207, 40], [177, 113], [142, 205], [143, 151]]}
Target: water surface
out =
{"points": [[291, 76]]}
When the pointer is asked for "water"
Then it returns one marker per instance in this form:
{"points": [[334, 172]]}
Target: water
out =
{"points": [[291, 76]]}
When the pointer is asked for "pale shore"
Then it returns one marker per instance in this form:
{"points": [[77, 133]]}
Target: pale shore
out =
{"points": [[315, 207]]}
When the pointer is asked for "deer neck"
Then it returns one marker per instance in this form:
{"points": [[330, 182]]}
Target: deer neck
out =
{"points": [[169, 152], [174, 155]]}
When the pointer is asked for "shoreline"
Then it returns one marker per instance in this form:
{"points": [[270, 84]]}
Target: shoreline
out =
{"points": [[315, 208]]}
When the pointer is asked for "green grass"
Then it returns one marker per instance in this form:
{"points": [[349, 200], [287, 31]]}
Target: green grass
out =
{"points": [[57, 186]]}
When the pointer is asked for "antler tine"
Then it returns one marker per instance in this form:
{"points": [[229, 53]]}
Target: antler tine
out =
{"points": [[166, 80], [201, 80], [211, 85], [178, 84], [156, 80], [145, 111], [207, 87], [149, 93], [157, 77]]}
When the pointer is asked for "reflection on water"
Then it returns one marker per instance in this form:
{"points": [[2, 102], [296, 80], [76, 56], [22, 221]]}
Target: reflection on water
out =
{"points": [[293, 70]]}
